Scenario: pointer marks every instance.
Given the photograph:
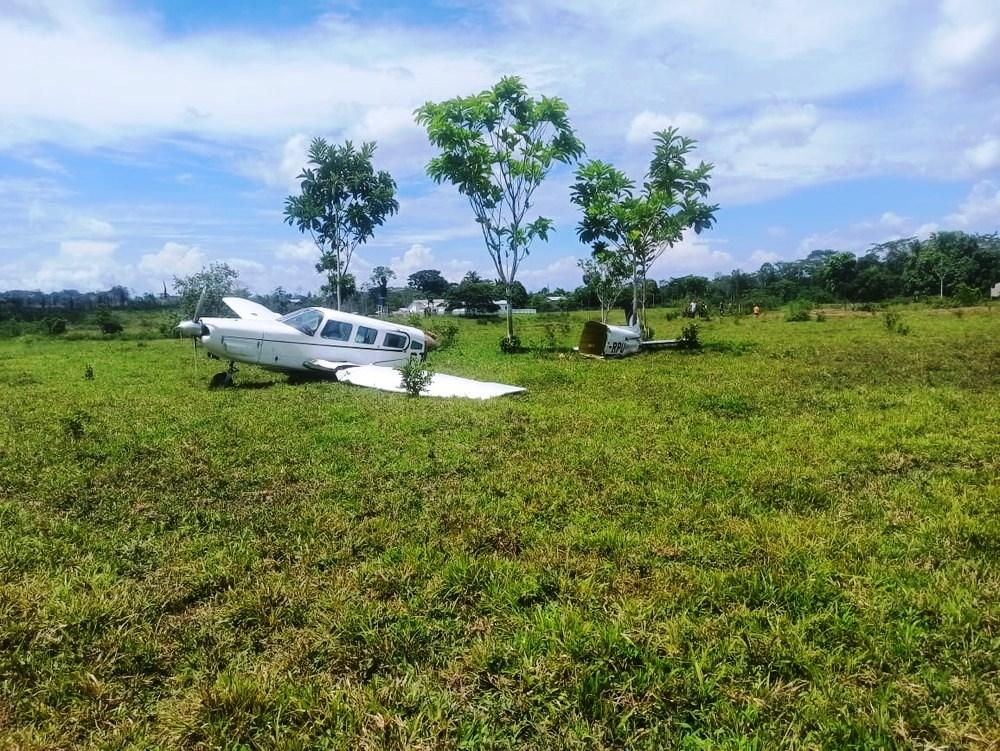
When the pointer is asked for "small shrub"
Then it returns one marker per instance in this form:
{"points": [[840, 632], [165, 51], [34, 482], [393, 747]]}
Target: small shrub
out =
{"points": [[689, 337], [168, 330], [74, 424], [447, 334], [797, 313], [88, 373], [111, 327], [965, 295], [510, 344], [415, 321], [893, 322], [416, 378], [672, 315], [55, 326], [820, 317]]}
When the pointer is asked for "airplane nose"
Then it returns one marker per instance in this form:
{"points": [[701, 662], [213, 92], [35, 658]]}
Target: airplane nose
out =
{"points": [[191, 328]]}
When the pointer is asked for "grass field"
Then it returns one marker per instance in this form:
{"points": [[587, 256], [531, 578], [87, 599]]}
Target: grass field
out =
{"points": [[789, 539]]}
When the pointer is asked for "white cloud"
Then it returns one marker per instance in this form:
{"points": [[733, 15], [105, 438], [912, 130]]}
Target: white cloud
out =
{"points": [[385, 124], [980, 211], [302, 251], [858, 237], [173, 259], [417, 257], [562, 272], [79, 264], [130, 79], [961, 49], [643, 125], [278, 167], [89, 226], [760, 257], [694, 254], [985, 155], [86, 249], [787, 125]]}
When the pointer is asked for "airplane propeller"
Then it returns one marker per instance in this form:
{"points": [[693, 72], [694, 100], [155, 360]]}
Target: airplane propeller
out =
{"points": [[194, 328]]}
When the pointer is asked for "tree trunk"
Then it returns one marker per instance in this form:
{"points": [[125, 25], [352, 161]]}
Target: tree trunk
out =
{"points": [[338, 280], [510, 313], [635, 295]]}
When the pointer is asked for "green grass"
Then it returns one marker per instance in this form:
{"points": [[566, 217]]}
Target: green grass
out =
{"points": [[789, 539]]}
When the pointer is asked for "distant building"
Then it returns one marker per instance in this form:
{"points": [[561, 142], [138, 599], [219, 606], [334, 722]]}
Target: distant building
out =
{"points": [[501, 310], [423, 308]]}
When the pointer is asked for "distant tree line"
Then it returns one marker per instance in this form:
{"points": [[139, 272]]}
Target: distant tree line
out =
{"points": [[947, 264]]}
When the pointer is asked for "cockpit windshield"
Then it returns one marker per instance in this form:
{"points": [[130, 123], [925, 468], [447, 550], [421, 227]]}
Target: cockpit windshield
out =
{"points": [[306, 320]]}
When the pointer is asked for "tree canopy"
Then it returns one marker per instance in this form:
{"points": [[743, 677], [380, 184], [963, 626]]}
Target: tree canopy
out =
{"points": [[497, 147], [639, 224], [217, 280], [428, 281], [473, 293], [341, 203]]}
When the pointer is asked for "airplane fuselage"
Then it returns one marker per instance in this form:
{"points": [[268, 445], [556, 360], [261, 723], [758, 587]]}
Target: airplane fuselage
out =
{"points": [[287, 343]]}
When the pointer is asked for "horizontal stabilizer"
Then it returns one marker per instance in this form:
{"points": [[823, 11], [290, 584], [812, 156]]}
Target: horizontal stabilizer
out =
{"points": [[250, 309], [659, 343], [390, 379]]}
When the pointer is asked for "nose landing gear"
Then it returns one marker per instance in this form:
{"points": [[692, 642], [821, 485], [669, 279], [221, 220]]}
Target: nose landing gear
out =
{"points": [[225, 379]]}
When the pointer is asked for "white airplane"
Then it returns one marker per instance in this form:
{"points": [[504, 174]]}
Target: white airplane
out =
{"points": [[350, 348]]}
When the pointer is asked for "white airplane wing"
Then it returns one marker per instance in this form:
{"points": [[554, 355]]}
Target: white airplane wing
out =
{"points": [[389, 379], [250, 309]]}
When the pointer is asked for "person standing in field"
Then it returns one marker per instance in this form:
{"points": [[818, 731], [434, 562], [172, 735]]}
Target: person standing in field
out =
{"points": [[756, 311]]}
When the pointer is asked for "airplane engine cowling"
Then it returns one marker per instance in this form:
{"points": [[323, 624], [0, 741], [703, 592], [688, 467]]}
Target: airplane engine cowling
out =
{"points": [[603, 340]]}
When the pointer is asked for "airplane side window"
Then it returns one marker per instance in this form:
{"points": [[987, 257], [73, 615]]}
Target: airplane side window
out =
{"points": [[416, 346], [366, 335], [337, 330], [394, 341]]}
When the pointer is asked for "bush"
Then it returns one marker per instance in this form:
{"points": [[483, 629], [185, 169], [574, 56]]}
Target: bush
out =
{"points": [[672, 315], [55, 326], [446, 333], [415, 321], [893, 322], [797, 313], [416, 378], [689, 337], [510, 344], [820, 317], [965, 295], [111, 327]]}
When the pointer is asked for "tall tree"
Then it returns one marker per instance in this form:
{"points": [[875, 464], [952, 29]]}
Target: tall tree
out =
{"points": [[473, 293], [943, 259], [217, 280], [430, 282], [342, 200], [380, 282], [605, 274], [496, 148], [640, 224]]}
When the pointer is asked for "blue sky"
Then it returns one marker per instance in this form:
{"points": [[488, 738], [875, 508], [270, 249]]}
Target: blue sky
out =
{"points": [[143, 139]]}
